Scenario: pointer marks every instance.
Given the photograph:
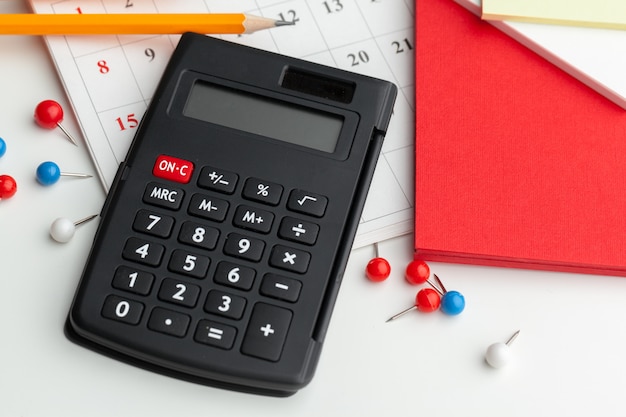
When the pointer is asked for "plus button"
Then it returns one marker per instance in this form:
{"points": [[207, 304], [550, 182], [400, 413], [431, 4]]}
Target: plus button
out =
{"points": [[267, 330]]}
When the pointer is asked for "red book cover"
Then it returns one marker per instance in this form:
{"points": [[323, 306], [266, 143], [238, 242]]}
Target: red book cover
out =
{"points": [[517, 163]]}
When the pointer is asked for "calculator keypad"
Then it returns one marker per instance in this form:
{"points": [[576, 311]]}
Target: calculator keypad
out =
{"points": [[238, 301]]}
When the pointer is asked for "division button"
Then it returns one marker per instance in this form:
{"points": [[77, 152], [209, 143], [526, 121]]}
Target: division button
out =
{"points": [[298, 230]]}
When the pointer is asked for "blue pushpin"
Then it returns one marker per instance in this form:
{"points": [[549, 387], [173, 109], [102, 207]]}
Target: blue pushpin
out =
{"points": [[452, 302], [49, 173], [3, 147]]}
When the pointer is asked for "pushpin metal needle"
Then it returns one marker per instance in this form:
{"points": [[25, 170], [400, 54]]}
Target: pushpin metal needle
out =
{"points": [[75, 174], [427, 300], [67, 134], [402, 313], [512, 338], [442, 290]]}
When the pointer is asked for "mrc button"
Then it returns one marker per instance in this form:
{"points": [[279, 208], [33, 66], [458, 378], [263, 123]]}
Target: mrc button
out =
{"points": [[161, 195], [173, 169]]}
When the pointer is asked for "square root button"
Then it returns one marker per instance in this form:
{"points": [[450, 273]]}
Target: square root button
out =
{"points": [[267, 332], [307, 203]]}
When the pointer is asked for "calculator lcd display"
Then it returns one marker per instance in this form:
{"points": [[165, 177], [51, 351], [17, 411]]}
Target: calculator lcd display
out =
{"points": [[264, 116]]}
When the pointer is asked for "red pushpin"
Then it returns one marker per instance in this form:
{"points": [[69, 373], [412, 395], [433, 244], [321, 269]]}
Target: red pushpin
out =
{"points": [[378, 269], [8, 186], [418, 272], [49, 114], [427, 300]]}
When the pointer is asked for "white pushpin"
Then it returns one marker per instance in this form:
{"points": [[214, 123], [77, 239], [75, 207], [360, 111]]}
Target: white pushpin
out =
{"points": [[62, 229], [499, 354]]}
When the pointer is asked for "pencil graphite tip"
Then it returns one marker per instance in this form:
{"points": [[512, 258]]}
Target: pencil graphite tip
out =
{"points": [[284, 23]]}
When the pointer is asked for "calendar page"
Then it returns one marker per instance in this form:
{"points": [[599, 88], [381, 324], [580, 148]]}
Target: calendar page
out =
{"points": [[110, 79]]}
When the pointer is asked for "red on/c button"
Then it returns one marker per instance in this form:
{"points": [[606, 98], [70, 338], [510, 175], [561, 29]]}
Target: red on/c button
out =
{"points": [[173, 169]]}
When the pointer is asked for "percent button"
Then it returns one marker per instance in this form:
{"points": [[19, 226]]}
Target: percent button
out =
{"points": [[266, 192]]}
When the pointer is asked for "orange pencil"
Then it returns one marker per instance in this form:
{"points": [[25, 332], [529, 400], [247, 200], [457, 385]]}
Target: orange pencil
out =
{"points": [[126, 24]]}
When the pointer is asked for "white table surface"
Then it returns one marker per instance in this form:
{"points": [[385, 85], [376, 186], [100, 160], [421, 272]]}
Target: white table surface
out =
{"points": [[570, 354]]}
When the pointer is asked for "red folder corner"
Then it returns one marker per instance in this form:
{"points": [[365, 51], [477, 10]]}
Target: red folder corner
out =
{"points": [[517, 163]]}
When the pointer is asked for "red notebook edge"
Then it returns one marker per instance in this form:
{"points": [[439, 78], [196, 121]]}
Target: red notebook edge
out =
{"points": [[549, 198], [532, 264]]}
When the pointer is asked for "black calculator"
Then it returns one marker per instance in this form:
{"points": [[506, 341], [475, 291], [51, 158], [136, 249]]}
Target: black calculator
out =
{"points": [[224, 238]]}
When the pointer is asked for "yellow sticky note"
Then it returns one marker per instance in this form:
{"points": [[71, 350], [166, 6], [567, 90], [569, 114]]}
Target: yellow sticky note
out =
{"points": [[591, 13]]}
